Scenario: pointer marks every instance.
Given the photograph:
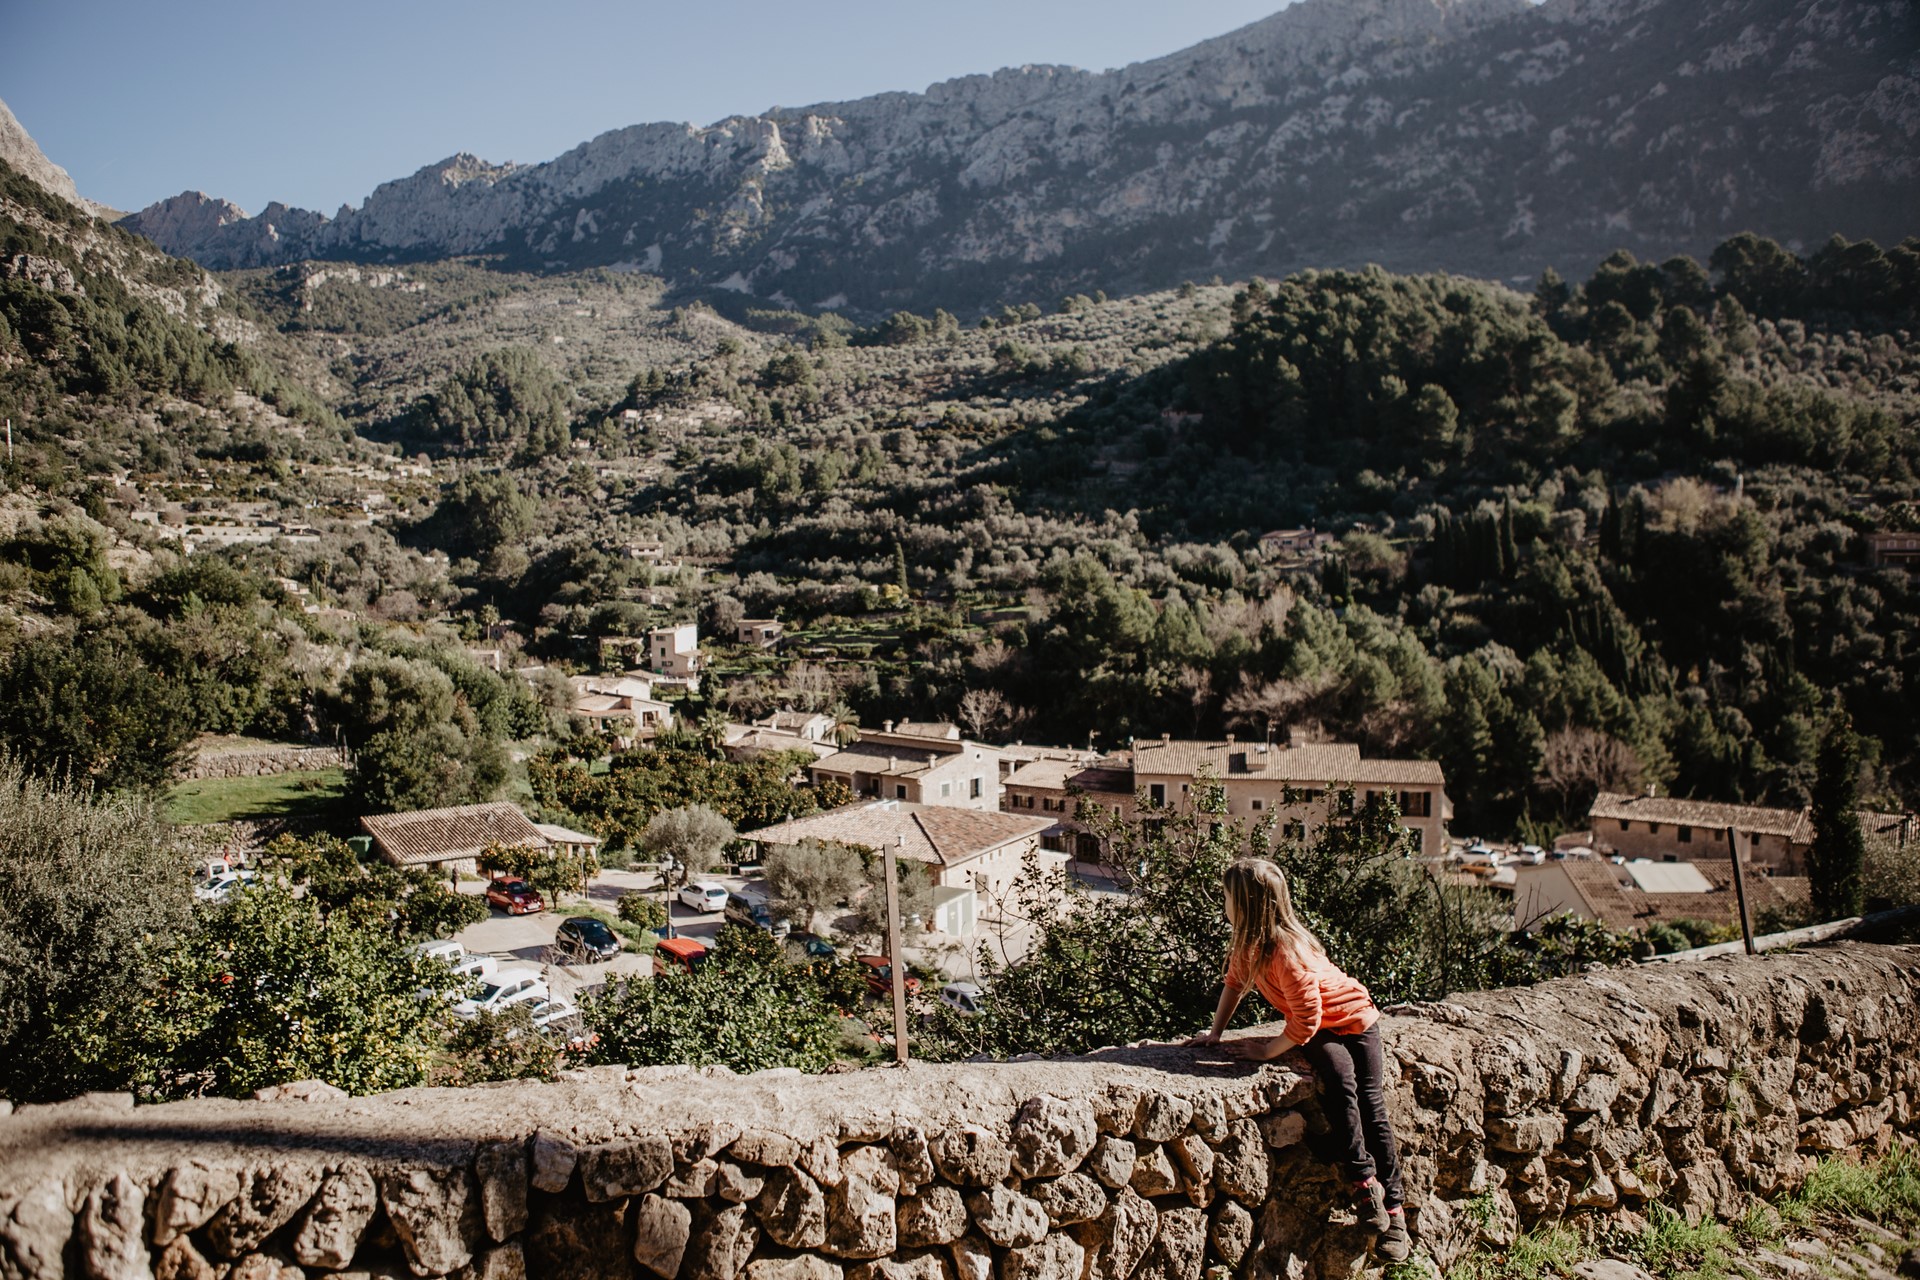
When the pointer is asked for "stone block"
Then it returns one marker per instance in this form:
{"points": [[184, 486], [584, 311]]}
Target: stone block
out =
{"points": [[1230, 1232], [428, 1208], [1163, 1116], [913, 1265], [554, 1158], [1007, 1217], [937, 1216], [972, 1156], [329, 1232], [188, 1199], [662, 1229], [720, 1245], [1111, 1161], [113, 1230], [622, 1169], [793, 1210], [502, 1170], [267, 1201], [1052, 1136], [860, 1220], [1073, 1197], [1057, 1257]]}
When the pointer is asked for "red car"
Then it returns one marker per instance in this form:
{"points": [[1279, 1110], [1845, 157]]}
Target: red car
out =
{"points": [[515, 897], [880, 976]]}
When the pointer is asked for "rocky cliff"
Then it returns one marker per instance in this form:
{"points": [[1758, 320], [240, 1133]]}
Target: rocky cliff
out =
{"points": [[1489, 136], [18, 149], [1589, 1099]]}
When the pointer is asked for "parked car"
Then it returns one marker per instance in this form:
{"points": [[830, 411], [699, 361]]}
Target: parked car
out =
{"points": [[964, 997], [503, 990], [880, 976], [213, 869], [584, 939], [515, 897], [1479, 857], [754, 912], [704, 895], [555, 1014], [471, 968], [1532, 854], [220, 888], [678, 955]]}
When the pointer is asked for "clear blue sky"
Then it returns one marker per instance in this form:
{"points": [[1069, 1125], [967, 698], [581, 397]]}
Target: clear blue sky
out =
{"points": [[317, 103]]}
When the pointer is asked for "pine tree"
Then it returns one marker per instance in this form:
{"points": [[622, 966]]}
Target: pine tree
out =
{"points": [[1839, 848]]}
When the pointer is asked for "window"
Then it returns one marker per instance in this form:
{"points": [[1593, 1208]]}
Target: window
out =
{"points": [[946, 789], [1296, 830], [1416, 804], [1754, 839], [900, 791], [1157, 792], [1258, 805], [1625, 825], [1653, 828], [976, 788], [1686, 835], [1670, 857]]}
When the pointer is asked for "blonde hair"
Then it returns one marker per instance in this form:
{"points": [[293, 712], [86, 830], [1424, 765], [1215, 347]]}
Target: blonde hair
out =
{"points": [[1262, 914]]}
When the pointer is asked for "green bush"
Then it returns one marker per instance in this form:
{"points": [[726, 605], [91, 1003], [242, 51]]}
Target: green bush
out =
{"points": [[643, 910]]}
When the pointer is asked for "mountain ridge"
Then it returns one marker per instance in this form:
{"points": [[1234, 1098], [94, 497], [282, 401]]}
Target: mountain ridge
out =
{"points": [[1488, 136]]}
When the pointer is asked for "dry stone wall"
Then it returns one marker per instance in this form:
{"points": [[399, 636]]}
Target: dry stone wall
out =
{"points": [[267, 763], [1692, 1085]]}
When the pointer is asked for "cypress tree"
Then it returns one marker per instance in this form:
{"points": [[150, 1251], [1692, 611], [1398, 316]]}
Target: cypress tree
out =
{"points": [[1839, 848]]}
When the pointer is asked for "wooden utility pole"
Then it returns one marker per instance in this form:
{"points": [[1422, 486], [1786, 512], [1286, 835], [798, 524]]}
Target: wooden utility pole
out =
{"points": [[896, 963], [1740, 890]]}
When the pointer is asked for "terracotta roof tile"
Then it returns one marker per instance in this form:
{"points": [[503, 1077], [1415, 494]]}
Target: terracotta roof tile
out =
{"points": [[939, 834], [1794, 824], [442, 835]]}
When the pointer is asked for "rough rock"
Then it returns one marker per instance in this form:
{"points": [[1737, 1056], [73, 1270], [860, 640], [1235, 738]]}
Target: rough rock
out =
{"points": [[554, 1159], [1112, 1161], [927, 1265], [793, 1210], [662, 1228], [302, 1091], [265, 1266], [1195, 1160], [806, 1266], [502, 1171], [502, 1262], [972, 1258], [179, 1260], [721, 1245], [1283, 1129], [267, 1200], [1180, 1247], [619, 1170], [1230, 1232], [860, 1220], [1052, 1136], [1074, 1197], [912, 1158], [972, 1156], [764, 1147], [113, 1229], [733, 1183], [192, 1194], [329, 1232], [936, 1216], [1153, 1173], [1007, 1217], [1241, 1163], [1609, 1269], [1057, 1257], [1162, 1117], [1124, 1235], [428, 1210]]}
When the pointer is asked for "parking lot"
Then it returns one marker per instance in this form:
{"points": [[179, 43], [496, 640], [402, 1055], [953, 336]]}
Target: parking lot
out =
{"points": [[528, 940]]}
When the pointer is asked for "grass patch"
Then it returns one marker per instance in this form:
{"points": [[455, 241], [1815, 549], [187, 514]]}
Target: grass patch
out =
{"points": [[1670, 1246], [1886, 1191], [286, 795], [1540, 1254]]}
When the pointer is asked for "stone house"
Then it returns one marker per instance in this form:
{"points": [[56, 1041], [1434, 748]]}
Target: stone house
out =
{"points": [[452, 839], [1667, 829], [971, 857], [763, 633], [921, 763], [1294, 544], [1257, 779]]}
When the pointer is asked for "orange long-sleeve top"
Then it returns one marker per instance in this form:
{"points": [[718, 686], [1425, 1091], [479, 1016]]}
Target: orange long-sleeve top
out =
{"points": [[1310, 991]]}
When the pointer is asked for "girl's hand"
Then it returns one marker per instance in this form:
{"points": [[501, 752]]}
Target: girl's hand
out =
{"points": [[1202, 1040], [1265, 1049]]}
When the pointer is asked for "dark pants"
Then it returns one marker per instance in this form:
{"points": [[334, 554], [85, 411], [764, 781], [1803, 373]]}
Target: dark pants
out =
{"points": [[1352, 1074]]}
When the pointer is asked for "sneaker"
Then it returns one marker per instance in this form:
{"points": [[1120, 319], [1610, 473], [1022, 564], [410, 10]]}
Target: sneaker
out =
{"points": [[1370, 1203], [1394, 1244]]}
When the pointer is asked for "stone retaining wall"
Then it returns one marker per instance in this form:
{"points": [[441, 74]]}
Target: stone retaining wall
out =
{"points": [[1691, 1085], [267, 764]]}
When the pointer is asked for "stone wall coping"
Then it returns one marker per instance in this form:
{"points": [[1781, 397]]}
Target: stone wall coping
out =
{"points": [[84, 1141]]}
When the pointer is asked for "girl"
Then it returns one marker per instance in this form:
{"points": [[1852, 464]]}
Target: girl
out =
{"points": [[1330, 1017]]}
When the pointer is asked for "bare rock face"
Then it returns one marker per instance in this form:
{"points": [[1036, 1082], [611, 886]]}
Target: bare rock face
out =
{"points": [[1260, 151], [1052, 1136], [428, 1209], [662, 1228], [860, 1220], [329, 1232], [936, 1216], [793, 1210], [267, 1201], [1057, 1257], [1008, 1218], [191, 1195], [113, 1229], [18, 149]]}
